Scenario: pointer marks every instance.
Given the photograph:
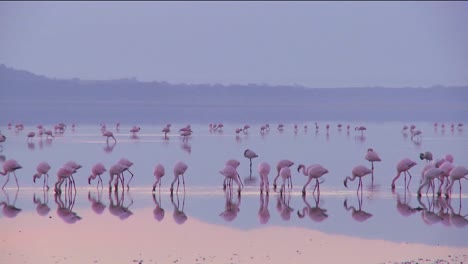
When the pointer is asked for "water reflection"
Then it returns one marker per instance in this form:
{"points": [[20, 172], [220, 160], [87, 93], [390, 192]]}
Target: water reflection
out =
{"points": [[357, 214], [179, 216], [31, 145], [263, 212], [185, 146], [457, 219], [65, 209], [316, 213], [403, 206], [360, 139], [282, 205], [231, 208], [9, 209], [158, 212], [96, 204], [428, 215], [42, 206], [109, 148], [117, 207]]}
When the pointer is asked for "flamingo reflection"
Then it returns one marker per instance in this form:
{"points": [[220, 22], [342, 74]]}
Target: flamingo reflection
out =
{"points": [[42, 208], [358, 215], [179, 216], [65, 209], [108, 148], [9, 209], [428, 215], [283, 205], [118, 209], [231, 208], [316, 213], [158, 211], [96, 204], [263, 212], [457, 219], [403, 206]]}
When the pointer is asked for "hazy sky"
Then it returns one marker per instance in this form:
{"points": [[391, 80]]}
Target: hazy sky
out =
{"points": [[315, 44]]}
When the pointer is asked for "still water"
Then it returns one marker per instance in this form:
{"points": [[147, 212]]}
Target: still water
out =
{"points": [[379, 213]]}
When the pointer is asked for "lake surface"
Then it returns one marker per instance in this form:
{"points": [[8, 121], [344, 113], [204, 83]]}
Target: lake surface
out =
{"points": [[337, 210]]}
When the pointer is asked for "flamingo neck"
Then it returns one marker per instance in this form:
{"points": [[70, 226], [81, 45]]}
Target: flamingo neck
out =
{"points": [[3, 173], [303, 169]]}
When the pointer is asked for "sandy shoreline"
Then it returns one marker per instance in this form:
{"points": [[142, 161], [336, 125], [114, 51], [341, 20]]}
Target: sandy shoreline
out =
{"points": [[106, 239]]}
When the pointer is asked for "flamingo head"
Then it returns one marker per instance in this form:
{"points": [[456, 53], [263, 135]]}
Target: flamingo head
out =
{"points": [[301, 166]]}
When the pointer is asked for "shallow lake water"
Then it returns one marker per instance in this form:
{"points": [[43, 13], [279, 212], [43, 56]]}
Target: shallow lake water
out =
{"points": [[376, 213]]}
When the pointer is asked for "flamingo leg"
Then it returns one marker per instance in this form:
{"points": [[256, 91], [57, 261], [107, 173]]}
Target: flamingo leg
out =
{"points": [[409, 179], [16, 179], [8, 178]]}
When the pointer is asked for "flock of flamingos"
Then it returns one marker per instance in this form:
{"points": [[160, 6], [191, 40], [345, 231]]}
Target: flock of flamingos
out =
{"points": [[442, 169]]}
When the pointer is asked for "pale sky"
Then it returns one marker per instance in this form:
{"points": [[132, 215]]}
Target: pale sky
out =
{"points": [[314, 44]]}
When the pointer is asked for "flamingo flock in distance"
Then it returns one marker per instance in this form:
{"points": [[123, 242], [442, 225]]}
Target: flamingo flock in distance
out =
{"points": [[442, 169]]}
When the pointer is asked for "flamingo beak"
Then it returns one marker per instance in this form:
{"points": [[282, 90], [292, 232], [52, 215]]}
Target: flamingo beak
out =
{"points": [[345, 184]]}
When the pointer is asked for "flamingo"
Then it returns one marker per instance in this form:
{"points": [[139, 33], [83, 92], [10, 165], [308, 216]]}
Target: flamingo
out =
{"points": [[426, 156], [42, 169], [403, 166], [372, 157], [2, 139], [62, 174], [135, 129], [360, 128], [430, 175], [10, 166], [179, 169], [250, 155], [166, 130], [158, 173], [233, 163], [358, 171], [127, 164], [263, 171], [280, 127], [456, 174], [285, 174], [31, 135], [75, 166], [97, 170], [405, 128], [116, 170], [231, 173], [446, 168], [108, 135], [314, 171], [48, 133], [238, 130], [281, 164], [246, 127]]}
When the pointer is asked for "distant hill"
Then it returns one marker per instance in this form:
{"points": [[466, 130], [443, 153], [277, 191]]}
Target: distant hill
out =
{"points": [[30, 98]]}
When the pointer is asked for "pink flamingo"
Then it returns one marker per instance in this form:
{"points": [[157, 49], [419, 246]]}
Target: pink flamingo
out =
{"points": [[10, 166], [403, 166], [360, 128], [186, 134], [62, 174], [126, 164], [314, 171], [372, 157], [115, 171], [238, 130], [446, 168], [75, 166], [358, 171], [135, 129], [48, 133], [31, 135], [233, 163], [42, 169], [281, 164], [280, 126], [166, 130], [250, 155], [405, 128], [158, 173], [97, 170], [246, 127], [179, 169], [108, 135], [285, 174], [430, 175], [456, 174], [231, 173], [263, 171]]}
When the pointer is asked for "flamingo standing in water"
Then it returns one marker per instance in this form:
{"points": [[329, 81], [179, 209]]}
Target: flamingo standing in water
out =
{"points": [[135, 130], [250, 155], [456, 174], [429, 175], [10, 166], [231, 173], [372, 157], [403, 166], [126, 164], [48, 134], [426, 156], [166, 130], [63, 174], [233, 163], [108, 135], [97, 170], [263, 171], [358, 171], [360, 128], [115, 171], [312, 172], [158, 173], [285, 174], [281, 164], [42, 169], [31, 135], [179, 169]]}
